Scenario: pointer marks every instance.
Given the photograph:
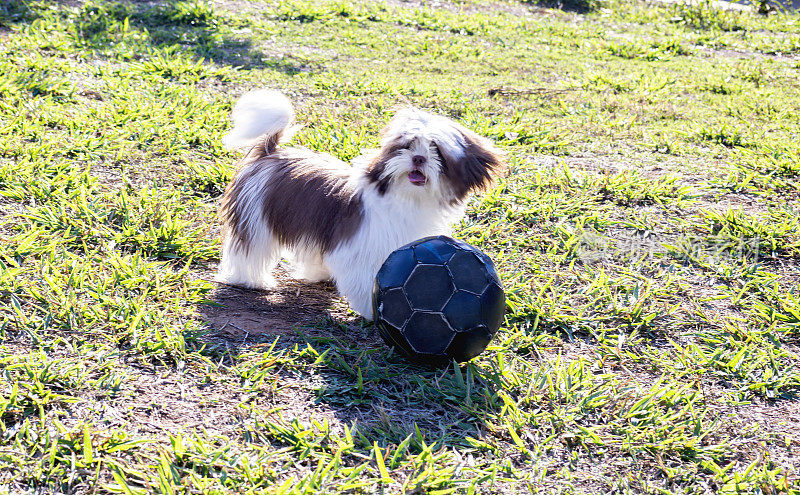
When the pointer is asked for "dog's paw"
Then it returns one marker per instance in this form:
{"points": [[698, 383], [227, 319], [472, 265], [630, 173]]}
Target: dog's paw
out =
{"points": [[311, 275], [263, 283]]}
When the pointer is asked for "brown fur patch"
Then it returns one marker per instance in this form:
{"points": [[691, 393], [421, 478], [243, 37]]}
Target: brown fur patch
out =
{"points": [[377, 167], [476, 169], [305, 198], [231, 210], [271, 143]]}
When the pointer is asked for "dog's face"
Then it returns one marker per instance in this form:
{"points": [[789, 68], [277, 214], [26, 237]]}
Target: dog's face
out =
{"points": [[426, 155]]}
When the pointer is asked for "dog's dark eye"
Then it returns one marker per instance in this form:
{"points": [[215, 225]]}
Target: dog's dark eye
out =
{"points": [[401, 147], [436, 152]]}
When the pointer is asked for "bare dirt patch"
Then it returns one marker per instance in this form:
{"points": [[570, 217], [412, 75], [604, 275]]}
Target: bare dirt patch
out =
{"points": [[10, 212], [237, 313]]}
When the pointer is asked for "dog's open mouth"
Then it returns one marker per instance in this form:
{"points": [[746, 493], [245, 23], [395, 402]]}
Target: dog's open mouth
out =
{"points": [[417, 178]]}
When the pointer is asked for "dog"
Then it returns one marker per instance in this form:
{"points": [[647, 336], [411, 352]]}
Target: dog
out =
{"points": [[337, 221]]}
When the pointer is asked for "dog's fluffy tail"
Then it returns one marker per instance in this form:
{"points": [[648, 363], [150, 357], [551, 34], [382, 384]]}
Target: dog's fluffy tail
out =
{"points": [[262, 113]]}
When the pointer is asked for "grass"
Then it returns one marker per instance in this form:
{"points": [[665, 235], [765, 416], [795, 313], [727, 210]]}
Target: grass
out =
{"points": [[646, 233]]}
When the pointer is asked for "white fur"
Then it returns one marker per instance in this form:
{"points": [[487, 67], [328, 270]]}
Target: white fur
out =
{"points": [[258, 113], [406, 212], [388, 224], [253, 267]]}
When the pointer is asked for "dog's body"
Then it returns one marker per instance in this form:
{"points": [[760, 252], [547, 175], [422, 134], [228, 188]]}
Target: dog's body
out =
{"points": [[339, 221]]}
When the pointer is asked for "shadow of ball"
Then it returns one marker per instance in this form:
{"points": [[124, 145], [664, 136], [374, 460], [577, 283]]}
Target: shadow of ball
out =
{"points": [[438, 299]]}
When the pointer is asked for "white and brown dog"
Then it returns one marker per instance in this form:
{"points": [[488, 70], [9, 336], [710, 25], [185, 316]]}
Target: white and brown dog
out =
{"points": [[335, 220]]}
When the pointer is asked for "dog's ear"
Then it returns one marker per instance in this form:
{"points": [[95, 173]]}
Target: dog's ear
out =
{"points": [[471, 165]]}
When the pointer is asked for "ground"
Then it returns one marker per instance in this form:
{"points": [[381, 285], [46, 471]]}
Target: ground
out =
{"points": [[646, 232]]}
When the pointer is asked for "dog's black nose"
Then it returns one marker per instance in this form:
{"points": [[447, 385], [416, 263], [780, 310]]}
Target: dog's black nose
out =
{"points": [[418, 160]]}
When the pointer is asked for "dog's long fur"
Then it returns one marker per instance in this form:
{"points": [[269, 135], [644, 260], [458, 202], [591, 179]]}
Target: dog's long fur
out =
{"points": [[340, 221]]}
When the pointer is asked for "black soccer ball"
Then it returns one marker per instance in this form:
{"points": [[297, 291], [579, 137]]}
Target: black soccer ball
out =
{"points": [[438, 299]]}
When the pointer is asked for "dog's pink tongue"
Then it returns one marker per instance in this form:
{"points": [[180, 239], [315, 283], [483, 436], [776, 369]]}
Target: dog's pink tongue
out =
{"points": [[417, 178]]}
